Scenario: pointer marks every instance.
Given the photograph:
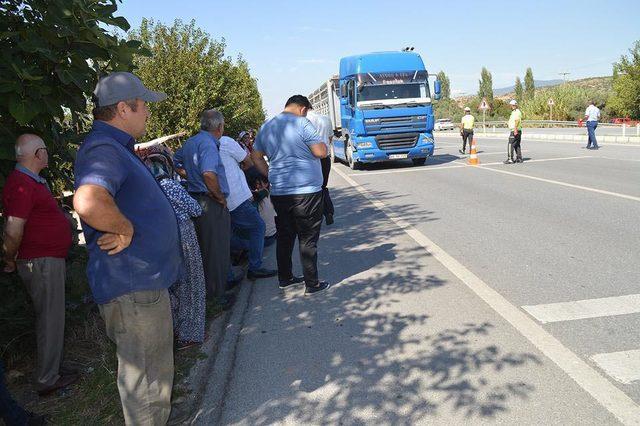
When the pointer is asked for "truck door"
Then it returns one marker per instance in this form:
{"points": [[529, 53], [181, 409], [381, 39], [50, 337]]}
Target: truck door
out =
{"points": [[348, 110]]}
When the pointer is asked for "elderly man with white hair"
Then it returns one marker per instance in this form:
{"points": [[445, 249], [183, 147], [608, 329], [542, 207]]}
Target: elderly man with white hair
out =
{"points": [[37, 238]]}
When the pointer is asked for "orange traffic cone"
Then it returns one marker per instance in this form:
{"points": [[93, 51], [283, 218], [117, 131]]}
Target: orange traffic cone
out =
{"points": [[473, 157]]}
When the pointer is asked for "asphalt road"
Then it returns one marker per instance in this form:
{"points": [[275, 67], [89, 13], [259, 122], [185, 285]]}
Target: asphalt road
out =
{"points": [[493, 294]]}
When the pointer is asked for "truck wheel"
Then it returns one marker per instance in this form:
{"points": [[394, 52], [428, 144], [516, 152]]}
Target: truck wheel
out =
{"points": [[354, 165], [419, 161]]}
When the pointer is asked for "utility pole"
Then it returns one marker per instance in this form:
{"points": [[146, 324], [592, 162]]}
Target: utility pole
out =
{"points": [[564, 75]]}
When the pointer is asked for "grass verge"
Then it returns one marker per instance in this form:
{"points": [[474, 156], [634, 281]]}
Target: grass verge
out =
{"points": [[94, 399]]}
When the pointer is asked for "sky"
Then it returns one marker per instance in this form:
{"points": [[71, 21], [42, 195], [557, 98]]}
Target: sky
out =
{"points": [[293, 46]]}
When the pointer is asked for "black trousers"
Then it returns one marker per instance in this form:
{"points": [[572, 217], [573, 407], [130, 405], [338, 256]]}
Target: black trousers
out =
{"points": [[298, 216], [326, 200], [467, 136], [514, 145], [213, 228]]}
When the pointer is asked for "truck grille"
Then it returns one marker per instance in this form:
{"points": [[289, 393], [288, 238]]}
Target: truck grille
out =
{"points": [[398, 141], [403, 120]]}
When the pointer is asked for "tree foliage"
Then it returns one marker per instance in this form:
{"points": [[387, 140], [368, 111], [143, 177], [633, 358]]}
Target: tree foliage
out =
{"points": [[518, 90], [51, 55], [445, 85], [193, 71], [625, 100], [447, 108], [570, 102], [529, 85], [485, 83]]}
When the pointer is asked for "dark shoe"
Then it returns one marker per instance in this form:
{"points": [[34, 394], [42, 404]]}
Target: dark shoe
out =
{"points": [[519, 160], [62, 382], [261, 273], [461, 151], [509, 161], [322, 285], [292, 281], [329, 219], [596, 147]]}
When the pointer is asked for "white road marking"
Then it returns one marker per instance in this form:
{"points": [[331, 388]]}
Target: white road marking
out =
{"points": [[456, 165], [589, 308], [589, 379], [568, 185], [622, 366]]}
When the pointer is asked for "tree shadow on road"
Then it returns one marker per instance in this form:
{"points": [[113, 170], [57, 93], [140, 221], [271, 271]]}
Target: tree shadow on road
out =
{"points": [[368, 350]]}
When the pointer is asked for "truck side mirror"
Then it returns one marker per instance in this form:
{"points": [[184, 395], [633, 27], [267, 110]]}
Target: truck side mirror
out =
{"points": [[343, 101], [436, 90]]}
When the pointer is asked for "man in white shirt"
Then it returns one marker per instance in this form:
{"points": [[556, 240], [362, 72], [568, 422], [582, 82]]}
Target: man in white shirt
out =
{"points": [[591, 116], [244, 214], [323, 125]]}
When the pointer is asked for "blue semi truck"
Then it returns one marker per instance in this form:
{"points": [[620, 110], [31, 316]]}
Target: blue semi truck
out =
{"points": [[381, 108]]}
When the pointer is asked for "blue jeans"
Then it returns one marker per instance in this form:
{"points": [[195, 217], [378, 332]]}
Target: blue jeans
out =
{"points": [[591, 130], [10, 411], [247, 220]]}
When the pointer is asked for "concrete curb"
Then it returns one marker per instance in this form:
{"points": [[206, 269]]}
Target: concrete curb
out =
{"points": [[197, 378], [216, 379], [626, 140]]}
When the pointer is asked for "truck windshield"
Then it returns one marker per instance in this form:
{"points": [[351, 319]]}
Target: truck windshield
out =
{"points": [[393, 91]]}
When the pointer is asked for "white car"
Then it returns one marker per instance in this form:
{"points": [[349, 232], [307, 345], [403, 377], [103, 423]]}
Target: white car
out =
{"points": [[443, 124]]}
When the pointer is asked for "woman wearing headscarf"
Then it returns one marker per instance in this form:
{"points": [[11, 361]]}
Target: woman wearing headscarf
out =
{"points": [[188, 294]]}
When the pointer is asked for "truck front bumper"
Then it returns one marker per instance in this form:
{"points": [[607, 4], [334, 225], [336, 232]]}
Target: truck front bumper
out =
{"points": [[375, 155]]}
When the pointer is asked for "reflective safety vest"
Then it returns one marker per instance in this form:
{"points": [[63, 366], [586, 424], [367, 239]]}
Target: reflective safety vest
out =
{"points": [[468, 121], [516, 114]]}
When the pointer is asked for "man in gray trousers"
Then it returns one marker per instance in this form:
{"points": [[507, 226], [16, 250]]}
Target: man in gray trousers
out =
{"points": [[199, 159], [134, 248]]}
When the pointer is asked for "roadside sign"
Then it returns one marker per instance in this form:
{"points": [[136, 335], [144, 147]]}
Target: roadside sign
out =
{"points": [[550, 102], [484, 105]]}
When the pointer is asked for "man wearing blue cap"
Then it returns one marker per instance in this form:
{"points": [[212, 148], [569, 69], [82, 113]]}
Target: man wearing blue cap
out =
{"points": [[134, 252]]}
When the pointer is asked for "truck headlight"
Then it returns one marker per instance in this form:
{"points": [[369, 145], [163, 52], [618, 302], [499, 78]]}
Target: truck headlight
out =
{"points": [[362, 145], [427, 139], [372, 121]]}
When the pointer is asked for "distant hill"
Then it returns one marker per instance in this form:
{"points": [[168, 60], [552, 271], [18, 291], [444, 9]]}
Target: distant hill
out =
{"points": [[537, 83]]}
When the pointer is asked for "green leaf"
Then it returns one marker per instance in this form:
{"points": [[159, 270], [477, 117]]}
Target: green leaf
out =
{"points": [[119, 21], [7, 151], [22, 110]]}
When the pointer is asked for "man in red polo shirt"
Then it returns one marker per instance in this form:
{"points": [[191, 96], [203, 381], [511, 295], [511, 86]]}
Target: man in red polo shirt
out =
{"points": [[37, 238]]}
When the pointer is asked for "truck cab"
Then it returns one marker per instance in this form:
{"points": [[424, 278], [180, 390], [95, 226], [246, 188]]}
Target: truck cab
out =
{"points": [[385, 109]]}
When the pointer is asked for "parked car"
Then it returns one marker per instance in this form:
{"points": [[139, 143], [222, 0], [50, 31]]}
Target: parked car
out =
{"points": [[443, 124]]}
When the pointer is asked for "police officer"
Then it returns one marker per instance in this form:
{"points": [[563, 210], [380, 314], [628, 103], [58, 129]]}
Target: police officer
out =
{"points": [[515, 126], [466, 129]]}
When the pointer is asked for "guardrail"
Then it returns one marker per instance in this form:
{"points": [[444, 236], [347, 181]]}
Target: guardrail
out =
{"points": [[557, 123]]}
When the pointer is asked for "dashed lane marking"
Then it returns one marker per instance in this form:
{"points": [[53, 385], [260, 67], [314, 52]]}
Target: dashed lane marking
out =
{"points": [[589, 308], [623, 366]]}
